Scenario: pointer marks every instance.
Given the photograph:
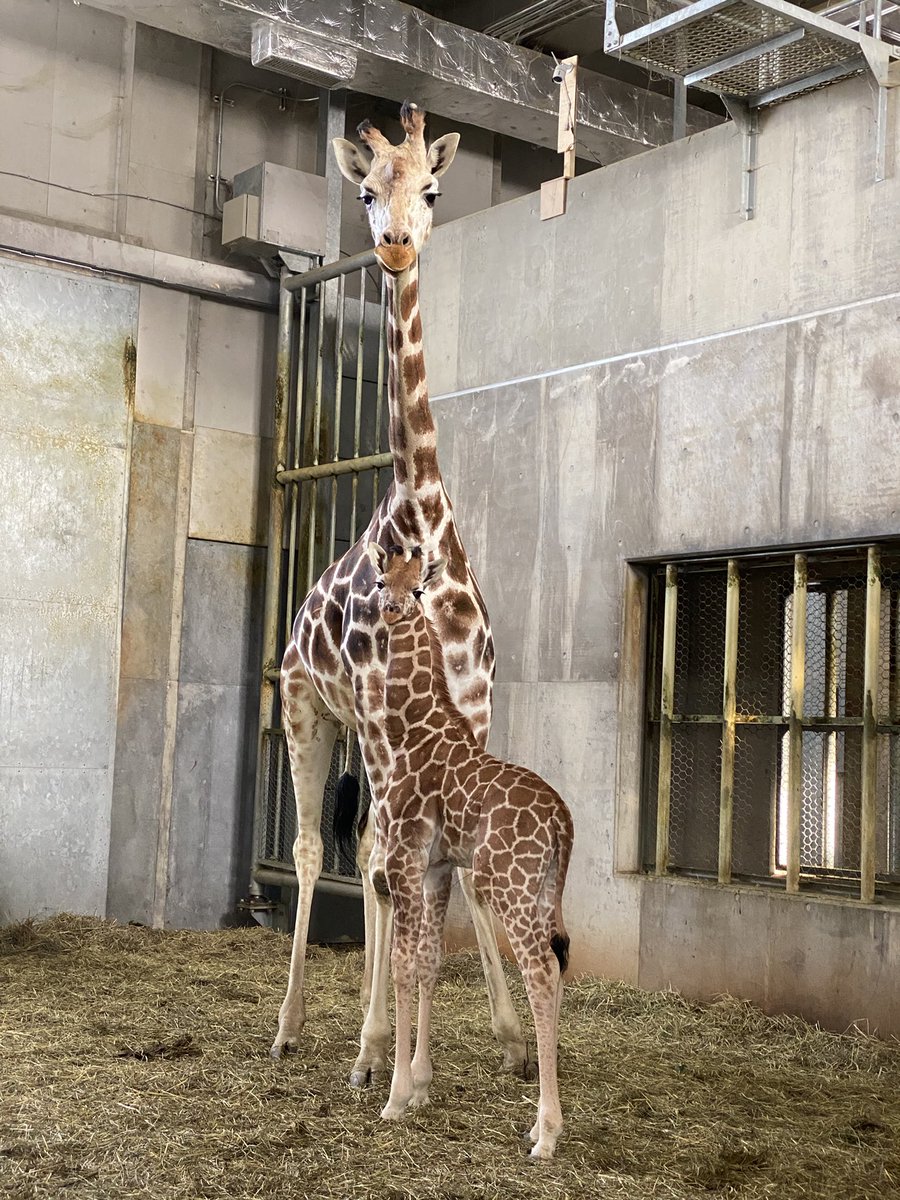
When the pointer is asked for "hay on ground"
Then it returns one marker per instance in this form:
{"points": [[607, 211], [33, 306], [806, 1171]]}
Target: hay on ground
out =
{"points": [[134, 1064]]}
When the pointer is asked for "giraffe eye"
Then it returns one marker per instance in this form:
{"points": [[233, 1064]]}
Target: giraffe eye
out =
{"points": [[418, 593], [367, 198], [379, 583], [430, 198]]}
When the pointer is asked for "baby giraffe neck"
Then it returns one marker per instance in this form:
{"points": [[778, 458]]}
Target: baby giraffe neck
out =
{"points": [[412, 704]]}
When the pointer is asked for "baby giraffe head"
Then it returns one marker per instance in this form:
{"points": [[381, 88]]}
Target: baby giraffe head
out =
{"points": [[398, 185], [401, 579]]}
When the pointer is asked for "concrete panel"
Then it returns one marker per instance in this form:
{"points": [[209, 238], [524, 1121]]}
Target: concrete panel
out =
{"points": [[235, 369], [842, 395], [64, 410], [440, 299], [499, 280], [61, 357], [825, 960], [229, 487], [137, 784], [161, 356], [212, 814], [86, 109], [53, 855], [26, 101], [719, 436], [150, 557], [163, 147], [57, 683], [221, 630]]}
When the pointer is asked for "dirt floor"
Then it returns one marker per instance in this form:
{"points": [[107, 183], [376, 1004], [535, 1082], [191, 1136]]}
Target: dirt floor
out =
{"points": [[135, 1064]]}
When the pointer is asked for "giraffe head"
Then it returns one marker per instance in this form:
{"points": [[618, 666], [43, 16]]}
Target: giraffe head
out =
{"points": [[398, 185], [401, 577]]}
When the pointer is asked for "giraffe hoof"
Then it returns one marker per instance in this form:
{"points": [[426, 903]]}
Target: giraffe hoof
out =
{"points": [[393, 1112], [530, 1070], [281, 1049], [419, 1101]]}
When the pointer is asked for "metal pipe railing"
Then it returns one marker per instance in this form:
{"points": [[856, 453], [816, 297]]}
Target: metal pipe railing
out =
{"points": [[666, 707], [729, 708], [867, 813]]}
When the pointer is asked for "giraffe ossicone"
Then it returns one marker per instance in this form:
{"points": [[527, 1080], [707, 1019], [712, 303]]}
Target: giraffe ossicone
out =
{"points": [[448, 803], [333, 667]]}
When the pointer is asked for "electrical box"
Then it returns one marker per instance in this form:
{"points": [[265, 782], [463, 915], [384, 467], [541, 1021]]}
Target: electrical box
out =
{"points": [[275, 208]]}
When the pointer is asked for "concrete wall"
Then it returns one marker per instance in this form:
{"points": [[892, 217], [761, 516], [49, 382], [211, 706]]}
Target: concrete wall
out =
{"points": [[652, 375]]}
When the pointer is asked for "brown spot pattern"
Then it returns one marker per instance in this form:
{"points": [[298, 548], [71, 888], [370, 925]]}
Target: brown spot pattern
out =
{"points": [[408, 300]]}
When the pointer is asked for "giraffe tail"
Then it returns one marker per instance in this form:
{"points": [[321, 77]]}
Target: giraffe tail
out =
{"points": [[346, 807], [559, 939]]}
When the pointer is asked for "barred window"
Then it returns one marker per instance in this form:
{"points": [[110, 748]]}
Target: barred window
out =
{"points": [[772, 752]]}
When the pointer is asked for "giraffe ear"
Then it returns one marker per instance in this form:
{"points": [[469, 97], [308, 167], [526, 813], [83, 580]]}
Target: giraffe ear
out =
{"points": [[350, 160], [377, 556], [441, 152], [434, 571]]}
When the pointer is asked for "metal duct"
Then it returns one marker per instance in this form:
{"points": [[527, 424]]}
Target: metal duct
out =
{"points": [[401, 51]]}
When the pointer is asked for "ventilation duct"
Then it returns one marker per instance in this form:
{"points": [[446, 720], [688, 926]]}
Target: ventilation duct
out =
{"points": [[391, 50]]}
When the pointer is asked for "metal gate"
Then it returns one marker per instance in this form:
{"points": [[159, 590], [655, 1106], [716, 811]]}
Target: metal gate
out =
{"points": [[330, 434]]}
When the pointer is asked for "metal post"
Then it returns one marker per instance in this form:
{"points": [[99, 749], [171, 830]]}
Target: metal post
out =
{"points": [[679, 113], [748, 123], [666, 708], [293, 531], [869, 731], [881, 108], [379, 390], [795, 723], [829, 808], [358, 399], [338, 398], [894, 737], [726, 784], [271, 602]]}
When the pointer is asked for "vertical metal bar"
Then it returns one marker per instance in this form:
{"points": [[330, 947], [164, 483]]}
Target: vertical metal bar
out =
{"points": [[357, 411], [379, 388], [338, 397], [679, 113], [272, 596], [291, 604], [316, 438], [829, 813], [729, 701], [867, 816], [894, 736], [666, 708], [881, 107], [795, 723]]}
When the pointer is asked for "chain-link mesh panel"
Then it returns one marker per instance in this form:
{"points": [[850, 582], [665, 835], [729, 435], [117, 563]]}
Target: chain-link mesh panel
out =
{"points": [[694, 805], [279, 826], [757, 756], [762, 626], [832, 741], [700, 642]]}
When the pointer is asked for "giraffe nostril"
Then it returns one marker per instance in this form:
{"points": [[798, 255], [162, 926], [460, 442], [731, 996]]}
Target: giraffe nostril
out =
{"points": [[405, 239], [387, 239]]}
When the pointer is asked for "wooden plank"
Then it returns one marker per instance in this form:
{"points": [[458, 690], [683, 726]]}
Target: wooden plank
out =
{"points": [[667, 702], [568, 97], [553, 198], [726, 778], [869, 731], [795, 723]]}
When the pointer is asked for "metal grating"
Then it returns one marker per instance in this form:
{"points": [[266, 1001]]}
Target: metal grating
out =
{"points": [[278, 829], [759, 51], [831, 787]]}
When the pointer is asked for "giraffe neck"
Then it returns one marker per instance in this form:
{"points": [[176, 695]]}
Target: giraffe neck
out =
{"points": [[417, 702], [413, 440]]}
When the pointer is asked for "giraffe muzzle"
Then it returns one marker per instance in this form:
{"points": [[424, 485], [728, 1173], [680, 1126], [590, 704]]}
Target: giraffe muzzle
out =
{"points": [[396, 257]]}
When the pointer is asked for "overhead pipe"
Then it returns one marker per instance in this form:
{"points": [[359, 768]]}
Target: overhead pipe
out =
{"points": [[392, 50]]}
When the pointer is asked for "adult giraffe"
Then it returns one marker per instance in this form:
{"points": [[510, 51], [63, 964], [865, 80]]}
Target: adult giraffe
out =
{"points": [[333, 667]]}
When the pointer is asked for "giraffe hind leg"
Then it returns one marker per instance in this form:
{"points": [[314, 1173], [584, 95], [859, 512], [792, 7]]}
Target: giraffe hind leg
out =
{"points": [[310, 735]]}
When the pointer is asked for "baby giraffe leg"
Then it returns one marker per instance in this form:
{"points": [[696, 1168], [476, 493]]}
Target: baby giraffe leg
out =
{"points": [[405, 872], [543, 985], [428, 962]]}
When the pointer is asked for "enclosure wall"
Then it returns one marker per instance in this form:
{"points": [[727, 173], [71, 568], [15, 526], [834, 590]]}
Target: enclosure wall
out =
{"points": [[652, 375]]}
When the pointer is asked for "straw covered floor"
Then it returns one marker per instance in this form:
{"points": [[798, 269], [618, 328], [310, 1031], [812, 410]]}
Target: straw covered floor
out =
{"points": [[134, 1063]]}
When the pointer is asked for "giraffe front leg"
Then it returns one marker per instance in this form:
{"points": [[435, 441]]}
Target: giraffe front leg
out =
{"points": [[504, 1019], [310, 740], [405, 871], [428, 964], [375, 1035]]}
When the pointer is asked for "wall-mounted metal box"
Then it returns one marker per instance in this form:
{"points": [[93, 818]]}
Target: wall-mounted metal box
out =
{"points": [[275, 208]]}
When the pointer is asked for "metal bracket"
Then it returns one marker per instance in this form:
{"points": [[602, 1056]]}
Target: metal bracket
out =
{"points": [[747, 120]]}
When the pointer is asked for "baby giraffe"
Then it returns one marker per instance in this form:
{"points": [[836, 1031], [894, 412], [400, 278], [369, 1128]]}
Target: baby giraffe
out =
{"points": [[450, 804]]}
